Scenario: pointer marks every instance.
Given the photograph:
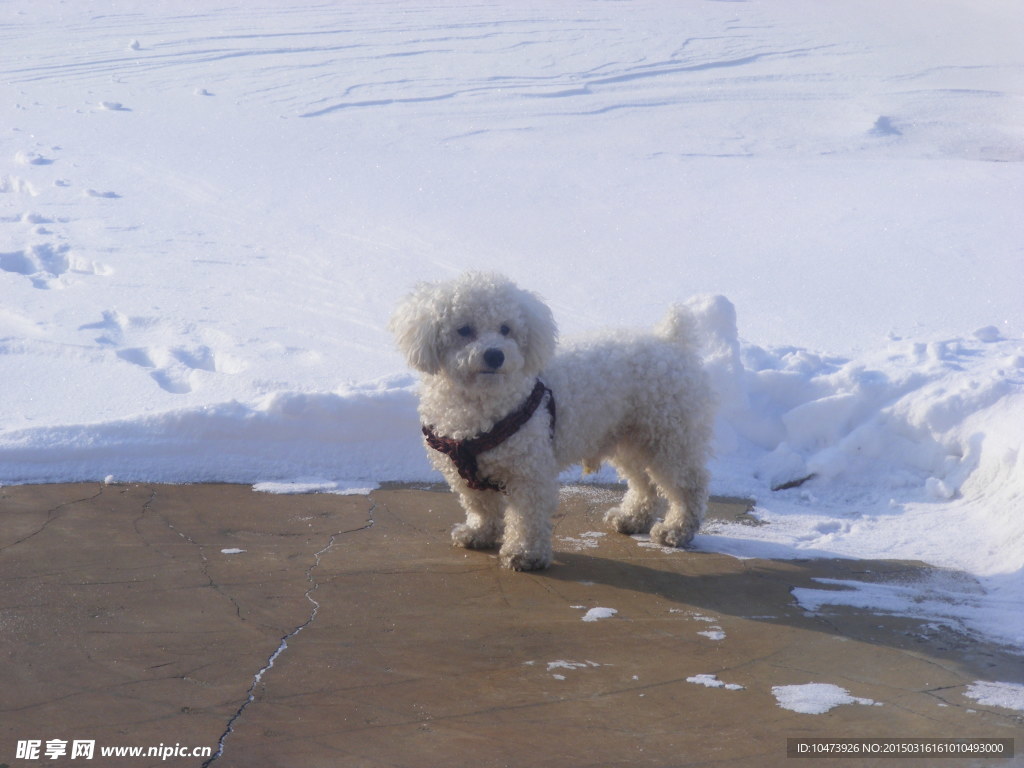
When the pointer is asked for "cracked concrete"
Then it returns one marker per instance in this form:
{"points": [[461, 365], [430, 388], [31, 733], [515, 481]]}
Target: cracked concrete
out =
{"points": [[322, 630], [258, 677]]}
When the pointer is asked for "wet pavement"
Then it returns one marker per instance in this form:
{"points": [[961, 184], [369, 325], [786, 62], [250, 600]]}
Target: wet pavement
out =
{"points": [[324, 630]]}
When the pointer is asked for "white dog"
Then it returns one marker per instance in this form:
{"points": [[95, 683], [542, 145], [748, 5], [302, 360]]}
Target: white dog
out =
{"points": [[503, 415]]}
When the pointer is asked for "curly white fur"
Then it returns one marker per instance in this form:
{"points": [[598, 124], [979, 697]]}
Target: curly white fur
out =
{"points": [[639, 401]]}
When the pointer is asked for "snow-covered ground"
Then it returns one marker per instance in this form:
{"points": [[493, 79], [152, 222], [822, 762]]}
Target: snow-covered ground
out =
{"points": [[206, 217]]}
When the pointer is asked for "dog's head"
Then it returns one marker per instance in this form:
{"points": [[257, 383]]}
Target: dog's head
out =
{"points": [[478, 330]]}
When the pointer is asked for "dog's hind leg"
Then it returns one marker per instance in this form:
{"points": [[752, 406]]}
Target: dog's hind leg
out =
{"points": [[484, 524], [641, 505], [687, 491]]}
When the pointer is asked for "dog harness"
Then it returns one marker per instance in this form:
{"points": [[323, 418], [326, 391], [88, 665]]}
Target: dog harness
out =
{"points": [[464, 452]]}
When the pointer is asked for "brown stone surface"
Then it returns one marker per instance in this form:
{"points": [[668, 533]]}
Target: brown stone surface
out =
{"points": [[122, 621]]}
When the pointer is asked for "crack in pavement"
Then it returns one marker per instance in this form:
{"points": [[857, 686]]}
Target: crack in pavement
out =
{"points": [[283, 645], [147, 508], [51, 515]]}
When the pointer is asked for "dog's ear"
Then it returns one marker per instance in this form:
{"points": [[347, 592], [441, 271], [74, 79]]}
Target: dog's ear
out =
{"points": [[541, 331], [416, 332]]}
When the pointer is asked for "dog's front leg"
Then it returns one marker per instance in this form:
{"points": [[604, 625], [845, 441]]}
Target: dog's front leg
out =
{"points": [[528, 522], [484, 525]]}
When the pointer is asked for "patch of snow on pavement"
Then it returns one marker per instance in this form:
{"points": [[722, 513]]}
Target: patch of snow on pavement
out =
{"points": [[815, 698], [712, 681], [595, 614], [1006, 695]]}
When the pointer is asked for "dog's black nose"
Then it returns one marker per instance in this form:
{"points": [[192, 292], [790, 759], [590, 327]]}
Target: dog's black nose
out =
{"points": [[494, 358]]}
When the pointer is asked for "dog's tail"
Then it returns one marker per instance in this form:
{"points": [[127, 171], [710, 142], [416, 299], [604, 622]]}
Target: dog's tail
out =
{"points": [[679, 326], [701, 325]]}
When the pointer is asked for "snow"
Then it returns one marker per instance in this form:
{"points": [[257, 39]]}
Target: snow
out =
{"points": [[207, 215], [715, 633], [815, 698], [586, 540], [313, 485], [562, 664], [571, 665], [594, 614], [1006, 695], [712, 681]]}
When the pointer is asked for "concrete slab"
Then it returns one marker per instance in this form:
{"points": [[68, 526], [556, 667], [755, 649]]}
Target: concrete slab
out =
{"points": [[348, 632]]}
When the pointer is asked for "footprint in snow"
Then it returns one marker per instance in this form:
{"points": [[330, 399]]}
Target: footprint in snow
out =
{"points": [[105, 195], [17, 185], [884, 127], [176, 369], [32, 158], [46, 264]]}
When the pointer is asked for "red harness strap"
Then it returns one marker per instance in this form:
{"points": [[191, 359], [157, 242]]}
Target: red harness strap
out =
{"points": [[464, 452]]}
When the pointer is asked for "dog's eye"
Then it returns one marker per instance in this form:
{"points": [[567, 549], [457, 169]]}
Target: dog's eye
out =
{"points": [[466, 331], [505, 330]]}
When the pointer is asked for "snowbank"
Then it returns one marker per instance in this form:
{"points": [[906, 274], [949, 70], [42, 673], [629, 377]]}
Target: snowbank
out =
{"points": [[357, 436]]}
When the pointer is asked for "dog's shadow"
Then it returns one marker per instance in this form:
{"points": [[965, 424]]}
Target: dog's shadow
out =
{"points": [[758, 589], [753, 590], [762, 591]]}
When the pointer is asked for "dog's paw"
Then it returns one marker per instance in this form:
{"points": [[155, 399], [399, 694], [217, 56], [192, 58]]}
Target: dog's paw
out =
{"points": [[669, 536], [517, 560], [464, 535], [627, 523]]}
